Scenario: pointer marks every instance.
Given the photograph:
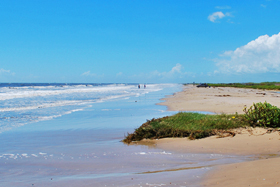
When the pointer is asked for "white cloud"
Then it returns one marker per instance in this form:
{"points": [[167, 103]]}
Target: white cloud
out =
{"points": [[218, 15], [223, 7], [176, 69], [119, 74], [89, 74], [258, 56], [262, 5], [86, 73], [175, 72], [4, 71]]}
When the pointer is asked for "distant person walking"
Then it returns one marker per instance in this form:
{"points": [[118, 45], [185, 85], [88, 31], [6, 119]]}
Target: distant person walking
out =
{"points": [[139, 86], [144, 85]]}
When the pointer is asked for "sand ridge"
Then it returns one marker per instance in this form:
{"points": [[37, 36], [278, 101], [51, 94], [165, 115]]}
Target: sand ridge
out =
{"points": [[263, 143]]}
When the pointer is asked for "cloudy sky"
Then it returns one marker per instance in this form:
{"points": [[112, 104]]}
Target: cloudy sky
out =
{"points": [[139, 41]]}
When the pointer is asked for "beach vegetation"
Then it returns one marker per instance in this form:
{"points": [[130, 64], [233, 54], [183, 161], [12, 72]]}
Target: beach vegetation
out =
{"points": [[197, 125], [263, 115], [262, 85], [185, 124]]}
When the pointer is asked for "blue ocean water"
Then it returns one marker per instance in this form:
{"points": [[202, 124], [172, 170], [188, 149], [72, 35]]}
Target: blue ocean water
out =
{"points": [[22, 104], [70, 135]]}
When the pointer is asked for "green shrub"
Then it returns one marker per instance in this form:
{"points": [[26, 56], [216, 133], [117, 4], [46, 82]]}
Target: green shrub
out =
{"points": [[263, 115]]}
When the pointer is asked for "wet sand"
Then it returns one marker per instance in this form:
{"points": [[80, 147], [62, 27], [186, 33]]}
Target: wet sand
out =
{"points": [[263, 146], [84, 149]]}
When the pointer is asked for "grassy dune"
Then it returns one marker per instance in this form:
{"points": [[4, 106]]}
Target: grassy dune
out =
{"points": [[192, 125], [195, 125]]}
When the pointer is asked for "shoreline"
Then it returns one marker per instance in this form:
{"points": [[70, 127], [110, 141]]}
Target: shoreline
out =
{"points": [[257, 142]]}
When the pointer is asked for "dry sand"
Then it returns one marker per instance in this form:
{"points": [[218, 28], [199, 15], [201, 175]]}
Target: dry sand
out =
{"points": [[218, 100], [265, 171]]}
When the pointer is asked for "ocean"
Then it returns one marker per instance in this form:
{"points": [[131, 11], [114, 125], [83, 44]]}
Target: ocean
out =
{"points": [[70, 135]]}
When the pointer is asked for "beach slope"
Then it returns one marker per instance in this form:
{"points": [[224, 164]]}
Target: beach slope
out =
{"points": [[218, 100], [261, 144]]}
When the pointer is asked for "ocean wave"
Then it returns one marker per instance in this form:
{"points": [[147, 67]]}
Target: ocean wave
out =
{"points": [[28, 103], [21, 93]]}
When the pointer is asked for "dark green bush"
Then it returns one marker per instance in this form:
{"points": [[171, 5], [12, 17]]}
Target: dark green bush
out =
{"points": [[263, 115]]}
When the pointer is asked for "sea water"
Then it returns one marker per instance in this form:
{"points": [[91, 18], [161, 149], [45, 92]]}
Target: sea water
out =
{"points": [[70, 135]]}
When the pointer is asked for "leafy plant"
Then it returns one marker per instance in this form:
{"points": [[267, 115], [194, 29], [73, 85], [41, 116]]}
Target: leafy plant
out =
{"points": [[263, 115]]}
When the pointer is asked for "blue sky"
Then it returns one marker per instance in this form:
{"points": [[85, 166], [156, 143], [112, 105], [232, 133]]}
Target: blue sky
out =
{"points": [[146, 41]]}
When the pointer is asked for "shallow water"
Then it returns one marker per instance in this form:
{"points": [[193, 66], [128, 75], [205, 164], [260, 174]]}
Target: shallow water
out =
{"points": [[81, 145]]}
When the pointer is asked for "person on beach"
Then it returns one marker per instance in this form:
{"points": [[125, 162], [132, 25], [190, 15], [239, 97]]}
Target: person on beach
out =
{"points": [[139, 86], [144, 85]]}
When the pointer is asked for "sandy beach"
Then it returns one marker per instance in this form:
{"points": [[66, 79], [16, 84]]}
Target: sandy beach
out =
{"points": [[262, 145], [218, 100]]}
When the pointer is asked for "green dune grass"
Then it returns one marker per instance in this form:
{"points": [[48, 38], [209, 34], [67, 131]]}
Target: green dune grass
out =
{"points": [[263, 85], [195, 125], [192, 125]]}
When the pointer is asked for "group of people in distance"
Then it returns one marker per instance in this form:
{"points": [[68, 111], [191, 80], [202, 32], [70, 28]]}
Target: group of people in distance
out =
{"points": [[140, 86]]}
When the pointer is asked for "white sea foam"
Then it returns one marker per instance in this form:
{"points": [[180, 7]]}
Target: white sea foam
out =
{"points": [[26, 104], [142, 153], [46, 105], [24, 155], [106, 109], [22, 93], [153, 153]]}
